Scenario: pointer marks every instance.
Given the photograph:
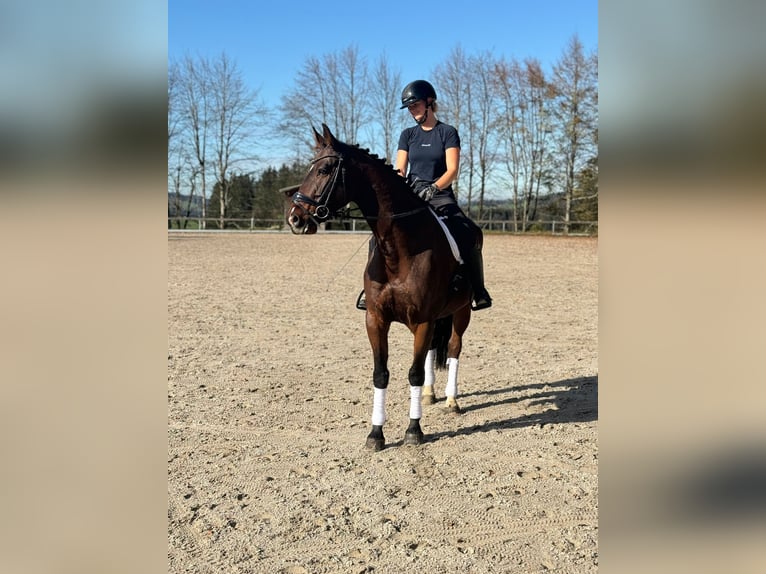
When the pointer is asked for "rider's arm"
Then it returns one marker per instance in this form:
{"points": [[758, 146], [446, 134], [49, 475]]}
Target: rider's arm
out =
{"points": [[452, 155], [402, 157]]}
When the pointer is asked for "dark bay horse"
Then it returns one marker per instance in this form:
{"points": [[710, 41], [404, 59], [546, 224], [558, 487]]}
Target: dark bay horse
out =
{"points": [[411, 278]]}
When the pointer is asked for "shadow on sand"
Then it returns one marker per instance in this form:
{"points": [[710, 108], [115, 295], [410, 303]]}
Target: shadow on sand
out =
{"points": [[569, 401]]}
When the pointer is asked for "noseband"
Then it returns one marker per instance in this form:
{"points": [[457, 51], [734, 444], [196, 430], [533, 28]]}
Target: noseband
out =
{"points": [[321, 212]]}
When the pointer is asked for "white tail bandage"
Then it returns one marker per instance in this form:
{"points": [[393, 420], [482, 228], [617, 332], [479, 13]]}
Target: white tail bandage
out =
{"points": [[451, 389], [416, 410], [379, 407]]}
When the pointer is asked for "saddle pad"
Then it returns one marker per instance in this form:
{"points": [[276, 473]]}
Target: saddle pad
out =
{"points": [[450, 239]]}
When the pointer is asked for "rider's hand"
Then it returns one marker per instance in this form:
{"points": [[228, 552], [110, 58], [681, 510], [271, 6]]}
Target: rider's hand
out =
{"points": [[428, 192]]}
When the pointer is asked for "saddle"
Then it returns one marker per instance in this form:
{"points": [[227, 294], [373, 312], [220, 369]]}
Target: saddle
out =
{"points": [[461, 231], [449, 235]]}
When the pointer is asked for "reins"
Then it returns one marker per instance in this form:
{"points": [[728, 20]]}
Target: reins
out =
{"points": [[362, 244], [347, 214]]}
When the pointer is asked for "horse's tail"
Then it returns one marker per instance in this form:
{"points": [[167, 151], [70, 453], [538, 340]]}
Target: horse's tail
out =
{"points": [[442, 333]]}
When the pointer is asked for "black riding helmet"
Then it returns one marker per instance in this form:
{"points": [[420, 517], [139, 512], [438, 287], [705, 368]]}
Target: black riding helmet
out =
{"points": [[417, 90]]}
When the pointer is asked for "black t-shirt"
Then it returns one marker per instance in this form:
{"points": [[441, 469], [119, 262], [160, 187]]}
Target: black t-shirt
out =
{"points": [[426, 153]]}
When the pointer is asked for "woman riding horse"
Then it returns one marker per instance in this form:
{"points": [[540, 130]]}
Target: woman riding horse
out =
{"points": [[414, 276], [431, 149]]}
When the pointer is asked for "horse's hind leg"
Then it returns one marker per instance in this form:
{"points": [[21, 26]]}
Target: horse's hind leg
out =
{"points": [[459, 324], [436, 357], [451, 390], [428, 383]]}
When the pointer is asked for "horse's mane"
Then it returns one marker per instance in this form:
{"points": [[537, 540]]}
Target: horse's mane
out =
{"points": [[386, 168]]}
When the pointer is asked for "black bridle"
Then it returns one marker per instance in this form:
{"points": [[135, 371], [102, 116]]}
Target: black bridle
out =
{"points": [[321, 212]]}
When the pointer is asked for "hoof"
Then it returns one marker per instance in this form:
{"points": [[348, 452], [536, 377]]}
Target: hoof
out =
{"points": [[413, 438], [375, 444], [429, 399], [453, 407]]}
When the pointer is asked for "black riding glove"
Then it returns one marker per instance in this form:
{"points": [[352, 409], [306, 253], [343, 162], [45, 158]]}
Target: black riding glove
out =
{"points": [[428, 192]]}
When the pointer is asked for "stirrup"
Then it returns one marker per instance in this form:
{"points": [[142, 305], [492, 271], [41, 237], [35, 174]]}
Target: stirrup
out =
{"points": [[361, 302], [483, 302]]}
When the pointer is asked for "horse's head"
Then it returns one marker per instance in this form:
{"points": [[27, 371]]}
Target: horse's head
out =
{"points": [[323, 190]]}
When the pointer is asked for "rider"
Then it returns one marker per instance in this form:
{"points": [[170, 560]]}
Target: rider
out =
{"points": [[431, 149]]}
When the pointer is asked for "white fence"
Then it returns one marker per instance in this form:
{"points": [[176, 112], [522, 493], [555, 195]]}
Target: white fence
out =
{"points": [[210, 224]]}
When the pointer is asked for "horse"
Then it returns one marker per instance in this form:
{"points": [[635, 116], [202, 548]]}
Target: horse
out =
{"points": [[413, 275]]}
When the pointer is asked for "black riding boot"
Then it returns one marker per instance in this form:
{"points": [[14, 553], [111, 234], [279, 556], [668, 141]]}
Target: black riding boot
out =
{"points": [[475, 267]]}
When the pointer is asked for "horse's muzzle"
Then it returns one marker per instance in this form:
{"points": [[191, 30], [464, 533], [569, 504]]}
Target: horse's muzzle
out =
{"points": [[295, 223], [300, 225]]}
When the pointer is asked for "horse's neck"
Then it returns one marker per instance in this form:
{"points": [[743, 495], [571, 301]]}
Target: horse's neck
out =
{"points": [[384, 201], [398, 220]]}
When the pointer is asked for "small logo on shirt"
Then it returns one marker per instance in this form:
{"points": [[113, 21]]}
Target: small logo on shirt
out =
{"points": [[425, 145]]}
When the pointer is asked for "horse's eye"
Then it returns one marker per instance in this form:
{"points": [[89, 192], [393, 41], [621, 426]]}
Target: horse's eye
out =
{"points": [[325, 170]]}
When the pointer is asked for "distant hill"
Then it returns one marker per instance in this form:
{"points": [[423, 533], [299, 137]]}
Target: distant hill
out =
{"points": [[195, 208], [549, 207]]}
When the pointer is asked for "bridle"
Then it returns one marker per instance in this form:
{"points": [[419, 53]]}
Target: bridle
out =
{"points": [[321, 212]]}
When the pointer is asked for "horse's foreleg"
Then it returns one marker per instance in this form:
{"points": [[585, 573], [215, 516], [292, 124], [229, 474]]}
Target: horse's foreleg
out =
{"points": [[414, 434], [417, 375], [376, 440], [379, 341]]}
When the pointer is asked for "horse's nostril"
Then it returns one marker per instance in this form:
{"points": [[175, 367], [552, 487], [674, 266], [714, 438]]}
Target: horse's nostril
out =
{"points": [[294, 220]]}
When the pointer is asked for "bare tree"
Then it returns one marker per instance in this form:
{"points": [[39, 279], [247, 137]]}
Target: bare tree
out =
{"points": [[307, 103], [234, 114], [184, 174], [507, 77], [468, 86], [484, 115], [352, 93], [525, 124], [386, 86], [332, 89], [453, 80], [575, 80], [192, 104], [174, 118], [174, 167]]}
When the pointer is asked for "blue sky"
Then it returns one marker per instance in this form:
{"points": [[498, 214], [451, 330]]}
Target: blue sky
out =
{"points": [[270, 41]]}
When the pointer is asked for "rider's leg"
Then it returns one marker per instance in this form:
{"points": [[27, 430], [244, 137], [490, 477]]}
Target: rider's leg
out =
{"points": [[468, 235], [475, 266]]}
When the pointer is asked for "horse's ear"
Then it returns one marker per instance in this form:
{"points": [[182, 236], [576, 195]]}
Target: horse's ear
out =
{"points": [[318, 137], [328, 137]]}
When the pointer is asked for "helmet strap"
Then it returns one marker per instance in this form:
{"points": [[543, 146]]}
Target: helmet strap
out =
{"points": [[424, 118]]}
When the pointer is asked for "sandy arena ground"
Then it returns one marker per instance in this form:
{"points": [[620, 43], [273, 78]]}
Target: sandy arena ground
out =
{"points": [[270, 398]]}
